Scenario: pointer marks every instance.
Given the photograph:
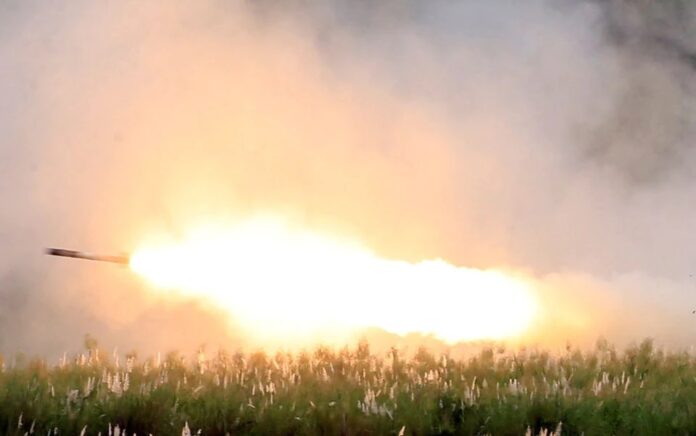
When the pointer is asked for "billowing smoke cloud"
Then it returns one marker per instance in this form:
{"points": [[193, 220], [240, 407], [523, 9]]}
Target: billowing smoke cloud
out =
{"points": [[550, 137]]}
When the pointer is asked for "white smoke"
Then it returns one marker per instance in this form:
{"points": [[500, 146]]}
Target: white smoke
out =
{"points": [[554, 137]]}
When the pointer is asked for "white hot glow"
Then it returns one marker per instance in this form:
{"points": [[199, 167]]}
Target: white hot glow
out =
{"points": [[282, 282]]}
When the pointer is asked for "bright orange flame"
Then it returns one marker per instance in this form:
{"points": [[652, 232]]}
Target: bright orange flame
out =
{"points": [[287, 283]]}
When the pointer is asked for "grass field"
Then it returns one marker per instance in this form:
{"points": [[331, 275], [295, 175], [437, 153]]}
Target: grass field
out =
{"points": [[353, 391]]}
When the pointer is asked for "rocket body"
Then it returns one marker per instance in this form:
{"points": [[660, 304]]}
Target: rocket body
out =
{"points": [[121, 260]]}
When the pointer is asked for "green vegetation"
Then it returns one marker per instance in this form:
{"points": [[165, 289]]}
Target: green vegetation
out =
{"points": [[354, 391]]}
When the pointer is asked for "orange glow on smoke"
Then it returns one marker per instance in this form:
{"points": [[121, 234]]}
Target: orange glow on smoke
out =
{"points": [[288, 283]]}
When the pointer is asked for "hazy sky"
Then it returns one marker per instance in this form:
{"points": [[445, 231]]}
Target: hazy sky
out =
{"points": [[550, 137]]}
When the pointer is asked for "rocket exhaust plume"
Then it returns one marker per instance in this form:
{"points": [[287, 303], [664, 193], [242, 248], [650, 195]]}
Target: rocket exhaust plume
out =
{"points": [[121, 260], [292, 284]]}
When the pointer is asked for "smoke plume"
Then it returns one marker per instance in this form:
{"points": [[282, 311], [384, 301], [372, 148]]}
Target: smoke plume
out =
{"points": [[551, 138]]}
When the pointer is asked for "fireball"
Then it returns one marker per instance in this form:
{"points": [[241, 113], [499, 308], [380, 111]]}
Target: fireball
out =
{"points": [[287, 283]]}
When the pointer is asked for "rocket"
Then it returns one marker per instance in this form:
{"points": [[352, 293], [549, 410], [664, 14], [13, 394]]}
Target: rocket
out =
{"points": [[121, 260]]}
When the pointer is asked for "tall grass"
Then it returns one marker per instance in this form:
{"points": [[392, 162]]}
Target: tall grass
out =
{"points": [[353, 391]]}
